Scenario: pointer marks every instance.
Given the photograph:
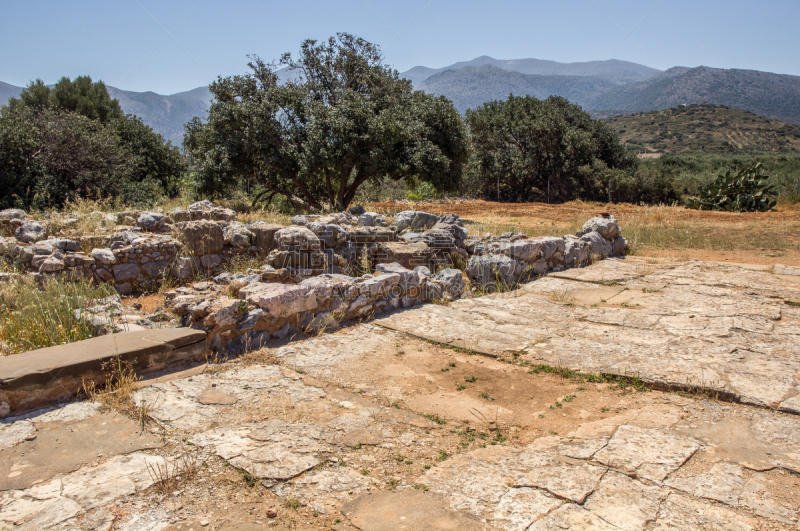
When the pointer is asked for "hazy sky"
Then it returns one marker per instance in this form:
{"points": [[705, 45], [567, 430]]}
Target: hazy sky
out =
{"points": [[175, 45]]}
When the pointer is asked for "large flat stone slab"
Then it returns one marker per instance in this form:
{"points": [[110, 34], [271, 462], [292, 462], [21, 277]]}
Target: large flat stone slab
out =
{"points": [[33, 378], [694, 325], [59, 447]]}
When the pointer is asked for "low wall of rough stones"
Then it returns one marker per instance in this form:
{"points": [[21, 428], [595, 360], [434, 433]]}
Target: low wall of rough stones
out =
{"points": [[315, 274]]}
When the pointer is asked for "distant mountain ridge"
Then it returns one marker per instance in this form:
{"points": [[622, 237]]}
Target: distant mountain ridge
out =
{"points": [[7, 92], [612, 70], [605, 88], [165, 114], [763, 93], [471, 86]]}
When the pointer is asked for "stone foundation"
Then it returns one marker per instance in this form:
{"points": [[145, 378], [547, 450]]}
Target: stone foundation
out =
{"points": [[316, 274]]}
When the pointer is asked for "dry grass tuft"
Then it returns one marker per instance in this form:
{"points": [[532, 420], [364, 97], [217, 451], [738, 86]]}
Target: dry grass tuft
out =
{"points": [[33, 316], [168, 476], [116, 392], [242, 262], [268, 216]]}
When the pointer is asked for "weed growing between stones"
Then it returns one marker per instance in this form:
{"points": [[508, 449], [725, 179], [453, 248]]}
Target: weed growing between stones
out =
{"points": [[435, 418], [564, 296], [116, 392], [35, 316], [499, 285], [167, 476], [241, 263]]}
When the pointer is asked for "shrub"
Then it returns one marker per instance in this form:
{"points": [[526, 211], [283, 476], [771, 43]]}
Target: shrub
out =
{"points": [[748, 190], [647, 185]]}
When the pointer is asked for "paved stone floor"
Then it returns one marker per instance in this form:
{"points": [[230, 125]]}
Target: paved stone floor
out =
{"points": [[715, 326], [377, 428]]}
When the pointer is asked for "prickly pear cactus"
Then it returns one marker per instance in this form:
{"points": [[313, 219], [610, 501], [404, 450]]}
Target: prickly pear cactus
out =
{"points": [[748, 190]]}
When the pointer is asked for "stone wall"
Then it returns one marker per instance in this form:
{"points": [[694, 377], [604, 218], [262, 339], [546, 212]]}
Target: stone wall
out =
{"points": [[242, 313], [315, 274]]}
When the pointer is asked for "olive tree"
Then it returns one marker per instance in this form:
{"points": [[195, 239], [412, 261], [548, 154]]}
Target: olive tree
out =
{"points": [[342, 119], [526, 149]]}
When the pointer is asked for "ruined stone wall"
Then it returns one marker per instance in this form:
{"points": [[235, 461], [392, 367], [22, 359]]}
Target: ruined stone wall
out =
{"points": [[316, 274]]}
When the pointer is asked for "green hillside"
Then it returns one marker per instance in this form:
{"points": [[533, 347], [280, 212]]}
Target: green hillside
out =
{"points": [[705, 129], [764, 93]]}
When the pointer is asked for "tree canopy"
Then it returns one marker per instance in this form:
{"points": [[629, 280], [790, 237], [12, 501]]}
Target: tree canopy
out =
{"points": [[74, 141], [82, 96], [537, 150], [344, 119]]}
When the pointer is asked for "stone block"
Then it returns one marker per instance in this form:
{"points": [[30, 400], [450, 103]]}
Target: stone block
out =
{"points": [[151, 221], [280, 300], [104, 256], [264, 235], [605, 225], [413, 219], [56, 373], [126, 272], [202, 237], [492, 269], [31, 231], [407, 255]]}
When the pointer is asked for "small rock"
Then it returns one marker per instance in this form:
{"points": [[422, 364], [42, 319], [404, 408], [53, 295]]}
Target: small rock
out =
{"points": [[151, 221], [104, 256], [272, 513], [201, 205], [12, 213], [51, 265], [31, 231]]}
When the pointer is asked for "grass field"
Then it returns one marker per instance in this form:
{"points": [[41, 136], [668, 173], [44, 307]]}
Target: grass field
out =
{"points": [[658, 231]]}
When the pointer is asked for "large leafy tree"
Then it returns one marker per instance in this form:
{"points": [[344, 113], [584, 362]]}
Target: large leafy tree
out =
{"points": [[46, 157], [527, 149], [73, 140], [344, 119]]}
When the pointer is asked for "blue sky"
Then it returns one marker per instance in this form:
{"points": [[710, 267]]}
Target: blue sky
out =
{"points": [[171, 46]]}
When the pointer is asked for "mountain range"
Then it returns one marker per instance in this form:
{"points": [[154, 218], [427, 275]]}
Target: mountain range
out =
{"points": [[165, 114], [605, 88]]}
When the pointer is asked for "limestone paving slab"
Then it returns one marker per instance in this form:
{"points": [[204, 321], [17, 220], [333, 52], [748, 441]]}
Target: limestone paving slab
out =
{"points": [[58, 447], [676, 463], [388, 511], [47, 504], [692, 325], [649, 454]]}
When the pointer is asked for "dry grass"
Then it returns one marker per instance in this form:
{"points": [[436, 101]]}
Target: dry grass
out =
{"points": [[241, 263], [168, 476], [34, 317], [116, 391], [264, 215], [663, 231], [81, 217]]}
